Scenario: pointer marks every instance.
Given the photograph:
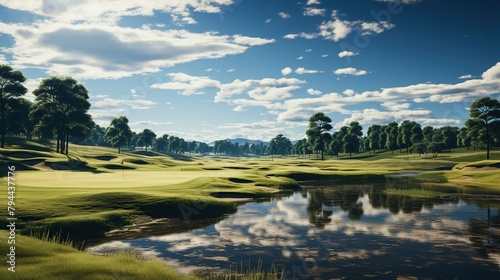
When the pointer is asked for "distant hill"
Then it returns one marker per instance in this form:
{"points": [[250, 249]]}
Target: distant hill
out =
{"points": [[242, 141]]}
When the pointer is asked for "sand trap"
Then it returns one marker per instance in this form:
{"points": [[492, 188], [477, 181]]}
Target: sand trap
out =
{"points": [[493, 167]]}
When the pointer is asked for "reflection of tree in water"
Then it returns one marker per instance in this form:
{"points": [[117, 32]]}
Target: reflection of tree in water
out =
{"points": [[484, 233], [347, 200]]}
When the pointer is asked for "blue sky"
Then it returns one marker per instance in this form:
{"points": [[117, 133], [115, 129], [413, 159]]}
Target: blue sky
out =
{"points": [[215, 69]]}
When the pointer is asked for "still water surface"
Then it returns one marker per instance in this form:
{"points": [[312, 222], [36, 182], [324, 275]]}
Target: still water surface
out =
{"points": [[351, 232]]}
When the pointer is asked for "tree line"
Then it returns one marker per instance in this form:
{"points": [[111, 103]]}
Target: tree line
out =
{"points": [[60, 113]]}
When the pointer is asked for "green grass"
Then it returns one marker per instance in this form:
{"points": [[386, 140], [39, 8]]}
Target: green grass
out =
{"points": [[46, 259], [413, 192], [91, 192]]}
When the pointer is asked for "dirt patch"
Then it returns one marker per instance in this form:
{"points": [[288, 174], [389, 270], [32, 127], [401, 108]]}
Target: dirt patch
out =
{"points": [[493, 167]]}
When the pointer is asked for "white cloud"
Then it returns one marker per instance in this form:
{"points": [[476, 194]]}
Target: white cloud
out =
{"points": [[188, 85], [267, 89], [314, 12], [251, 41], [394, 106], [239, 108], [370, 28], [286, 71], [325, 55], [350, 71], [136, 104], [309, 50], [110, 12], [335, 30], [314, 92], [98, 51], [302, 70], [268, 20], [300, 58], [231, 70], [212, 70], [347, 54], [349, 92], [301, 35], [284, 15], [313, 2], [465, 77]]}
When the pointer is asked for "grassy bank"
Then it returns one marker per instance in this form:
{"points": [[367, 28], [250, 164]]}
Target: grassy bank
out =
{"points": [[95, 190], [41, 259]]}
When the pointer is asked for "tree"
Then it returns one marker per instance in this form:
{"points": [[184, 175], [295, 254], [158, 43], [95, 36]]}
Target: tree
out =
{"points": [[118, 134], [486, 110], [146, 138], [351, 140], [319, 124], [10, 87], [404, 135], [17, 116], [392, 137], [62, 105], [280, 145]]}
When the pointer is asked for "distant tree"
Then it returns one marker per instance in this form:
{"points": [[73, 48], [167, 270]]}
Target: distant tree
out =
{"points": [[192, 146], [417, 135], [160, 145], [62, 104], [374, 137], [10, 87], [17, 116], [487, 111], [450, 135], [118, 134], [392, 137], [336, 144], [404, 135], [419, 148], [352, 139], [319, 124], [427, 132], [203, 148], [463, 139], [280, 145], [146, 138], [435, 148]]}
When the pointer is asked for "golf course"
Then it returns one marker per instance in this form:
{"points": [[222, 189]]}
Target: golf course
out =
{"points": [[64, 203]]}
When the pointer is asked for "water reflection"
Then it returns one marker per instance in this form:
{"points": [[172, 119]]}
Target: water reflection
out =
{"points": [[344, 231]]}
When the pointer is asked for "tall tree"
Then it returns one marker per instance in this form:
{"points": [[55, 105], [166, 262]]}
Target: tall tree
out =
{"points": [[10, 87], [392, 137], [352, 139], [62, 105], [17, 116], [146, 138], [280, 145], [118, 134], [319, 124], [487, 111]]}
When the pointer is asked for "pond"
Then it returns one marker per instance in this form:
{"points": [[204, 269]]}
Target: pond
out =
{"points": [[349, 231]]}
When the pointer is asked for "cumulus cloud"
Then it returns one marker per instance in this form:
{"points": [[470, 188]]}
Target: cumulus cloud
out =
{"points": [[313, 2], [314, 92], [91, 51], [187, 85], [286, 71], [284, 15], [394, 106], [267, 89], [314, 12], [302, 70], [111, 12], [347, 54], [350, 71], [337, 29]]}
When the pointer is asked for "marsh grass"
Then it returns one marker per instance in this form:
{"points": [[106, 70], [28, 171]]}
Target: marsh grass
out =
{"points": [[239, 272]]}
